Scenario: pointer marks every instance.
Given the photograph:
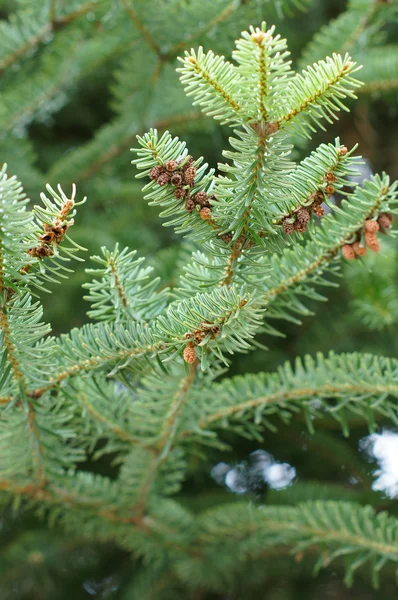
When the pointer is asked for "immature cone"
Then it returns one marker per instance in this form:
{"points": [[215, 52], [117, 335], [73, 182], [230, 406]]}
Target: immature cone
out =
{"points": [[371, 241], [318, 209], [180, 193], [300, 227], [330, 177], [384, 221], [176, 179], [372, 226], [287, 227], [201, 198], [317, 197], [188, 162], [171, 165], [189, 204], [358, 249], [163, 179], [189, 175], [189, 353], [348, 252], [205, 213], [155, 172], [329, 189], [303, 216]]}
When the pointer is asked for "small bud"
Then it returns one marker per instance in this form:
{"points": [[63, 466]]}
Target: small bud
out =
{"points": [[189, 353], [271, 127], [348, 252], [318, 209], [371, 226], [300, 227], [342, 151], [329, 190], [317, 197], [187, 162], [258, 36], [330, 177]]}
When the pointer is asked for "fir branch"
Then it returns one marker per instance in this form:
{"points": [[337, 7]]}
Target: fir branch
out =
{"points": [[335, 385], [329, 165], [165, 445], [142, 28], [214, 83], [380, 71], [295, 267], [262, 59], [355, 27], [317, 93], [202, 31], [338, 528], [219, 322], [20, 21], [125, 290], [116, 138]]}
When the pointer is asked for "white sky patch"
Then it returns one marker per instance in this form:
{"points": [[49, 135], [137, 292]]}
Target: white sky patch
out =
{"points": [[383, 447]]}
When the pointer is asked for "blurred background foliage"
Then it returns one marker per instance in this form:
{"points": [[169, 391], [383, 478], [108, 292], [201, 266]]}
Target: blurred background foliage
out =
{"points": [[78, 80]]}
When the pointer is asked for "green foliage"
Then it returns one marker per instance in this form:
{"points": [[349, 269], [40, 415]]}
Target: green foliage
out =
{"points": [[142, 389], [341, 386]]}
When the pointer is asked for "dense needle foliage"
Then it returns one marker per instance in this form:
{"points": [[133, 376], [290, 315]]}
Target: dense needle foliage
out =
{"points": [[108, 431]]}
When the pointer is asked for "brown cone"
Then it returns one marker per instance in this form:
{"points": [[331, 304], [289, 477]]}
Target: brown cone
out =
{"points": [[358, 249], [348, 252], [189, 353]]}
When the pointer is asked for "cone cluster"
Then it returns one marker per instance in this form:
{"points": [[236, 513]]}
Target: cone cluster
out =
{"points": [[53, 234], [181, 175], [198, 335], [299, 219], [367, 237]]}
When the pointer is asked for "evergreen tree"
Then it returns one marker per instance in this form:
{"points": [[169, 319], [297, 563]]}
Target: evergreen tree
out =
{"points": [[103, 427]]}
